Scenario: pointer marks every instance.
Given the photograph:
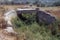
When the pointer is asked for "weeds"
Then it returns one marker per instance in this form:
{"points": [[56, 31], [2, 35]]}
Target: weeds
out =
{"points": [[34, 31]]}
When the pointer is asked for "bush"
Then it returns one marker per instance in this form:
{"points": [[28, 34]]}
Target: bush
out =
{"points": [[28, 18]]}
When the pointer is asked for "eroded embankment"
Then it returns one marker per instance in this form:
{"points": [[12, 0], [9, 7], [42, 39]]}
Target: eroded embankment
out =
{"points": [[6, 33]]}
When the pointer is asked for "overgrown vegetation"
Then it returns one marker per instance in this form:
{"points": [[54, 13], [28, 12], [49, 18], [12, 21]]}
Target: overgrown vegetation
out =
{"points": [[34, 31]]}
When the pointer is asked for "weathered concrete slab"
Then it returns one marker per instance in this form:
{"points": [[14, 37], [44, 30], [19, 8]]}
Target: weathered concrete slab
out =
{"points": [[19, 11]]}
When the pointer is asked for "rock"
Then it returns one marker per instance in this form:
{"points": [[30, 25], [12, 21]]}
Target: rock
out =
{"points": [[44, 17], [9, 15], [9, 31]]}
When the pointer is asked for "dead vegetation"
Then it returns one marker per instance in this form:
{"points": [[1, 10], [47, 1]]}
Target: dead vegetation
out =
{"points": [[55, 12]]}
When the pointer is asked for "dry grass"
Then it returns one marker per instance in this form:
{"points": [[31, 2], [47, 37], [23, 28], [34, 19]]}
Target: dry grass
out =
{"points": [[54, 10]]}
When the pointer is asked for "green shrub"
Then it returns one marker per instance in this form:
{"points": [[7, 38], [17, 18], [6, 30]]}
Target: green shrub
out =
{"points": [[30, 17], [34, 31]]}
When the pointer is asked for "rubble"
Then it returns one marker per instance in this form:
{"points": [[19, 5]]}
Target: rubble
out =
{"points": [[7, 32]]}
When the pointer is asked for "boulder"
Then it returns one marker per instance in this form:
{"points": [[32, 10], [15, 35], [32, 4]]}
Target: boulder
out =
{"points": [[9, 15], [45, 17]]}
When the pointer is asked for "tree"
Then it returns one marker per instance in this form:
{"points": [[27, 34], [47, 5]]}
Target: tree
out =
{"points": [[37, 3], [56, 3], [27, 2]]}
